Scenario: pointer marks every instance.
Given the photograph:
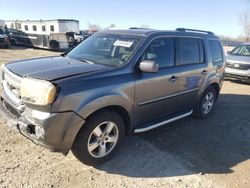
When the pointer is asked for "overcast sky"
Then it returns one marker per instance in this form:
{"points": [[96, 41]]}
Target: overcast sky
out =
{"points": [[220, 16]]}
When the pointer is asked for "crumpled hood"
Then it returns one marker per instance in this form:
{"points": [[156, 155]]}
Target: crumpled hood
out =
{"points": [[238, 59], [51, 68]]}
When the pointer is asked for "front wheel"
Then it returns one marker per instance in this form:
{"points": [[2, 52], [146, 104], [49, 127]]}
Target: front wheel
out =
{"points": [[206, 103], [99, 139]]}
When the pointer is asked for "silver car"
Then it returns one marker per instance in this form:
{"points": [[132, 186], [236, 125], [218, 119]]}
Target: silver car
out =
{"points": [[238, 63]]}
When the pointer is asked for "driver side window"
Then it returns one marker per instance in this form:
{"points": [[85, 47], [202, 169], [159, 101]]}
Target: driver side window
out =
{"points": [[161, 51]]}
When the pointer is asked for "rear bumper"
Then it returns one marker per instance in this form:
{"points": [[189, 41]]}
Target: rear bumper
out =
{"points": [[55, 131]]}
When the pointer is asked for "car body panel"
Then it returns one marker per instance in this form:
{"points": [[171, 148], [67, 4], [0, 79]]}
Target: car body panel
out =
{"points": [[54, 67]]}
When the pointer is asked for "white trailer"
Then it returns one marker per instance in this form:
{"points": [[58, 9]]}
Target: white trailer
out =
{"points": [[2, 24], [42, 33]]}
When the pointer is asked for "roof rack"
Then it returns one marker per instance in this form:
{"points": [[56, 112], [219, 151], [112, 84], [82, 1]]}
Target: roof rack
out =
{"points": [[194, 30], [139, 28]]}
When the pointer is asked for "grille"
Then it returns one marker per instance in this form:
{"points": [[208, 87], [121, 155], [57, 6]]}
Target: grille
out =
{"points": [[238, 66], [11, 86], [1, 39]]}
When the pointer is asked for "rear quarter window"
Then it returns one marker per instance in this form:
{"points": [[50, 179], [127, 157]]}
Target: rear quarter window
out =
{"points": [[190, 51], [216, 50]]}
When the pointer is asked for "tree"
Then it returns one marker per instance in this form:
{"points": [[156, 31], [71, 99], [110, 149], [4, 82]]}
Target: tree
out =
{"points": [[111, 26], [146, 26], [245, 23], [93, 27]]}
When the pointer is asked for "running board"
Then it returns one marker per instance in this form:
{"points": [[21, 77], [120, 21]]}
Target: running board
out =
{"points": [[163, 123]]}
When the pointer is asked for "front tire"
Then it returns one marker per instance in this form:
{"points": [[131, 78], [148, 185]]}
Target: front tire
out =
{"points": [[99, 139], [206, 103]]}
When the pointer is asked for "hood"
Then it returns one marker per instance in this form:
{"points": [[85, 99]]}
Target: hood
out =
{"points": [[238, 59], [52, 68]]}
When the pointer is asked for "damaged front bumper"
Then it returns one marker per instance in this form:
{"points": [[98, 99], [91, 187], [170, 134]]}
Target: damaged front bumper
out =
{"points": [[55, 131]]}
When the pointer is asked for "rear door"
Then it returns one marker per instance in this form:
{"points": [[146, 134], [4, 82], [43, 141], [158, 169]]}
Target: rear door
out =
{"points": [[155, 93], [194, 68]]}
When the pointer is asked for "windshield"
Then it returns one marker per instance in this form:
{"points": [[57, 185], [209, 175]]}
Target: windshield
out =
{"points": [[106, 49], [242, 50]]}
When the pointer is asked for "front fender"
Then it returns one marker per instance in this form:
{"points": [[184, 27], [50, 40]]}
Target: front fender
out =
{"points": [[86, 108]]}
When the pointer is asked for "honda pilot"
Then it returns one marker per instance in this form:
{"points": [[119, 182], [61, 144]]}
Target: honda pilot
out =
{"points": [[115, 83]]}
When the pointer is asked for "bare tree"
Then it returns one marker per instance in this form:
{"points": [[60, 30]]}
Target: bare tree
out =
{"points": [[245, 23], [111, 26], [93, 27], [146, 26]]}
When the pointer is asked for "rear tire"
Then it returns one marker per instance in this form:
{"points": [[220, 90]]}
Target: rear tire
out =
{"points": [[206, 103], [99, 139]]}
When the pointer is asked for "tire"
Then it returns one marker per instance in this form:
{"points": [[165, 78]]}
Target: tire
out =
{"points": [[53, 44], [94, 150], [206, 103]]}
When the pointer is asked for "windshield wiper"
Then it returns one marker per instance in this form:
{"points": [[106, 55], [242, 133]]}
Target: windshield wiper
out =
{"points": [[85, 60]]}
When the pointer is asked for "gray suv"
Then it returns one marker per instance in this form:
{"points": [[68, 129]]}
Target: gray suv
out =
{"points": [[238, 63], [115, 83]]}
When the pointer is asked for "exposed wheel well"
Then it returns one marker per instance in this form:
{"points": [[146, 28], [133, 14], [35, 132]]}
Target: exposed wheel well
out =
{"points": [[216, 88], [121, 111]]}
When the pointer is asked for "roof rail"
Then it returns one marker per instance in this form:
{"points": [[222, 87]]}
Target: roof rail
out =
{"points": [[194, 30], [139, 28]]}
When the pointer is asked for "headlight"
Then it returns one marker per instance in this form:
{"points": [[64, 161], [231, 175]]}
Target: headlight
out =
{"points": [[39, 92]]}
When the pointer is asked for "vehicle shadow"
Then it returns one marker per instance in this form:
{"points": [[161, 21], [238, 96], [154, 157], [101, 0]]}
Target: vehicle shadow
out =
{"points": [[189, 146]]}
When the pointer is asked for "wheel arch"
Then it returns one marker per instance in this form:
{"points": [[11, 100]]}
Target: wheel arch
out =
{"points": [[117, 109], [216, 87]]}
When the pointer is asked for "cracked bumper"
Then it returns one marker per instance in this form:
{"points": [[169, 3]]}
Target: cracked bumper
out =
{"points": [[55, 131]]}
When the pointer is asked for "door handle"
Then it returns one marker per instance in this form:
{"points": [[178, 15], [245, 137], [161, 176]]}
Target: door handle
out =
{"points": [[204, 72], [173, 78]]}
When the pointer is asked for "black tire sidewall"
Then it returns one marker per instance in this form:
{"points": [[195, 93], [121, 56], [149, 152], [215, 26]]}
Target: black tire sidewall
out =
{"points": [[80, 149]]}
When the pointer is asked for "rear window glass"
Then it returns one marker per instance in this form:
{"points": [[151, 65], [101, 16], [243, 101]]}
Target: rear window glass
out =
{"points": [[189, 51], [216, 51]]}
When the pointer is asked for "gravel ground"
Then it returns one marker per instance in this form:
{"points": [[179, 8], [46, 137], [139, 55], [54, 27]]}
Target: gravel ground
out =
{"points": [[188, 153]]}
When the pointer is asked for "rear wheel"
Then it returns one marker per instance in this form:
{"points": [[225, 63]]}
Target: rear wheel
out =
{"points": [[99, 139], [206, 103]]}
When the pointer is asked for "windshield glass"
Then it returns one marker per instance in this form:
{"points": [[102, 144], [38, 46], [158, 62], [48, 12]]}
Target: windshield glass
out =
{"points": [[242, 50], [106, 49]]}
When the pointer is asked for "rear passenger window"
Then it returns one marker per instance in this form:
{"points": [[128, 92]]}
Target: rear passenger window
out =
{"points": [[190, 51], [161, 51], [216, 51]]}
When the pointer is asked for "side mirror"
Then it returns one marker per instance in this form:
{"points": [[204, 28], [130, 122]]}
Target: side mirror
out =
{"points": [[228, 52], [149, 66]]}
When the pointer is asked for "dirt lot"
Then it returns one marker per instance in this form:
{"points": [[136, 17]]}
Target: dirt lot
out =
{"points": [[189, 153]]}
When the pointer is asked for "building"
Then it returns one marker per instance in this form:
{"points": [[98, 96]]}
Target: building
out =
{"points": [[2, 24]]}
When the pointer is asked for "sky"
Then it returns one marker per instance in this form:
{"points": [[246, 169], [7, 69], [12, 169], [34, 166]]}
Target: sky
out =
{"points": [[219, 16]]}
